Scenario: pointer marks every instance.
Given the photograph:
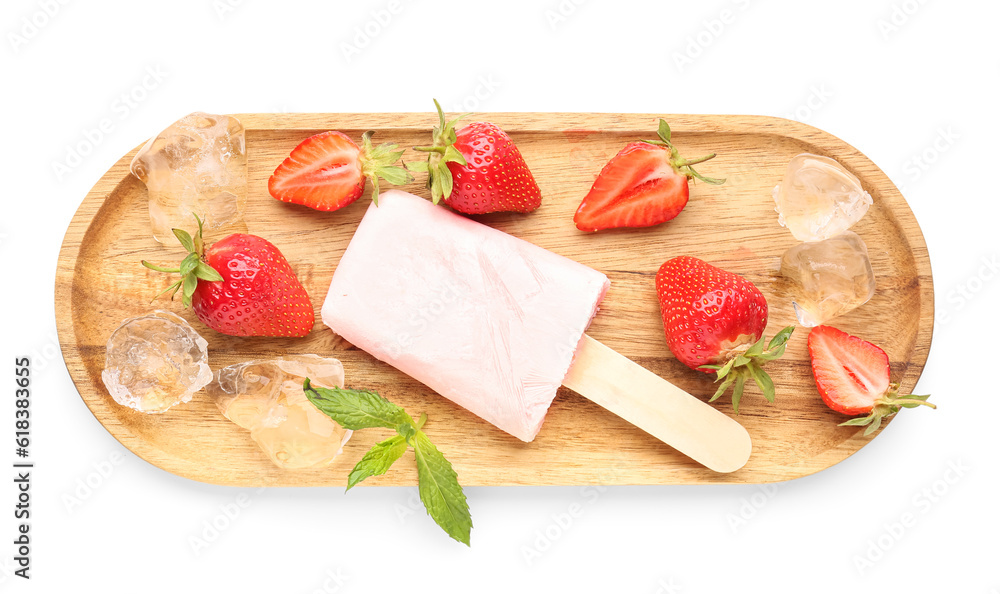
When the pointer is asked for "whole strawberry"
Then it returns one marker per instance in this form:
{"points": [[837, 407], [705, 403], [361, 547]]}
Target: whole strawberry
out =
{"points": [[852, 376], [241, 286], [477, 169], [714, 321]]}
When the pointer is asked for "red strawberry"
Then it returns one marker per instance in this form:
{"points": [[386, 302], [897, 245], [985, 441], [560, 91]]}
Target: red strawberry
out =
{"points": [[645, 184], [241, 286], [852, 376], [327, 171], [477, 169], [714, 321]]}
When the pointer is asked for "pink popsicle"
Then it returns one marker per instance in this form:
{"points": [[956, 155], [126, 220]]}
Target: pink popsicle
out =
{"points": [[496, 324], [487, 320]]}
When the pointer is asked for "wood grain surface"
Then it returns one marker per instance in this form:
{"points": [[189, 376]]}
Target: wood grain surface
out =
{"points": [[99, 283]]}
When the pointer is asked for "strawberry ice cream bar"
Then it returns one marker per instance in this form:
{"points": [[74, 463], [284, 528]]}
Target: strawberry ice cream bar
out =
{"points": [[485, 319]]}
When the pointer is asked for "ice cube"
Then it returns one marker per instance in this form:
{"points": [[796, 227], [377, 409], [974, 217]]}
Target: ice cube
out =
{"points": [[830, 277], [818, 198], [197, 165], [266, 398], [155, 362]]}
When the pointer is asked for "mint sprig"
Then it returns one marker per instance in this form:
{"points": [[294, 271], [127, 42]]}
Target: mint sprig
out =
{"points": [[440, 491]]}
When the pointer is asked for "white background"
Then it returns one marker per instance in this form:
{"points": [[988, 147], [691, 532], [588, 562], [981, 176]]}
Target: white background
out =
{"points": [[912, 84]]}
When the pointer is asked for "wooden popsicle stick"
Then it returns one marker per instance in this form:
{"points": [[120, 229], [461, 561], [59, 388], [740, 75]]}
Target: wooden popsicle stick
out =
{"points": [[658, 407]]}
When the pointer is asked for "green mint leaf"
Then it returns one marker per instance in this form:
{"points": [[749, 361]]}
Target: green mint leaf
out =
{"points": [[378, 460], [439, 490], [355, 409]]}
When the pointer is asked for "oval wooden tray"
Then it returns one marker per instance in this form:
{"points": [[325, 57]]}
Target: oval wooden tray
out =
{"points": [[99, 283]]}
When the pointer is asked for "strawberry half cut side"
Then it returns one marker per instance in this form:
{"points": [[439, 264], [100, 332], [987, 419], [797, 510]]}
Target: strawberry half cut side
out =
{"points": [[853, 378], [327, 171], [645, 184]]}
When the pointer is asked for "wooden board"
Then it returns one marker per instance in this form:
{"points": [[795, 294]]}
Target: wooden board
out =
{"points": [[99, 283]]}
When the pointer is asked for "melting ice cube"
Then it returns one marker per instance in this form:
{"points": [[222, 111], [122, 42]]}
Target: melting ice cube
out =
{"points": [[154, 362], [266, 398], [818, 198], [197, 165], [830, 277]]}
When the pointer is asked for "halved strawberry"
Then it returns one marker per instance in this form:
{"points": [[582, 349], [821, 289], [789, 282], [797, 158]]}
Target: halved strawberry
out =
{"points": [[645, 184], [714, 321], [327, 171], [241, 286], [852, 376], [477, 169]]}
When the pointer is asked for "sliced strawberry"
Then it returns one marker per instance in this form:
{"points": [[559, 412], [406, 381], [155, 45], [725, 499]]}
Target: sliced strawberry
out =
{"points": [[714, 321], [852, 376], [477, 169], [327, 171], [645, 184], [637, 188]]}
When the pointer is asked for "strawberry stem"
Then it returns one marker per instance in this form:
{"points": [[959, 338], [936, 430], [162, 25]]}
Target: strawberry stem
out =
{"points": [[681, 165], [686, 162], [746, 364], [443, 151], [192, 269], [378, 162]]}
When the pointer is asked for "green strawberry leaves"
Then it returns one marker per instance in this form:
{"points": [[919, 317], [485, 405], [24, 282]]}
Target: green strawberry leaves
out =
{"points": [[440, 491], [681, 165], [886, 406], [378, 162], [439, 178], [748, 365], [192, 268]]}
